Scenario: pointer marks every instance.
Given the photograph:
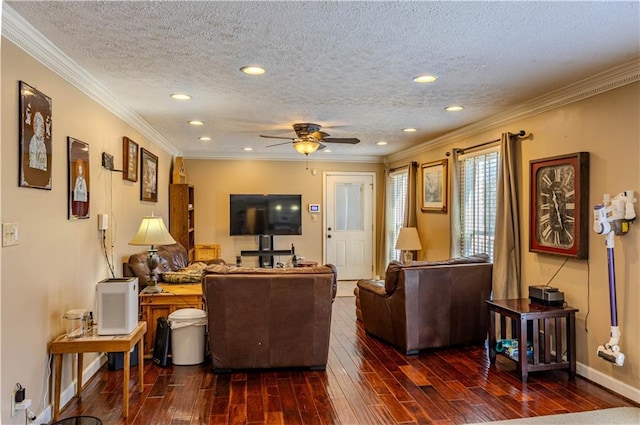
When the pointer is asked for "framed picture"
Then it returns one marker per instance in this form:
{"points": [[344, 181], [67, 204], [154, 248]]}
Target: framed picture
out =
{"points": [[78, 164], [35, 138], [129, 160], [434, 186], [559, 202], [148, 176]]}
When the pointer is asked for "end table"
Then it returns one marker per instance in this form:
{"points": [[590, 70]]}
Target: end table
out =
{"points": [[528, 321]]}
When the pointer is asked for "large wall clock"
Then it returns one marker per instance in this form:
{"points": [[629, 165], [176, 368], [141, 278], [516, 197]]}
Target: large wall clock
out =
{"points": [[560, 205]]}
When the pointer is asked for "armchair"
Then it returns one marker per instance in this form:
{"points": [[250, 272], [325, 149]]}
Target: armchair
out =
{"points": [[428, 304]]}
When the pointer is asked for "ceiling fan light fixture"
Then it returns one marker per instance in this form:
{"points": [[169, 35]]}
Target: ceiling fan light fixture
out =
{"points": [[306, 146], [424, 78], [253, 70]]}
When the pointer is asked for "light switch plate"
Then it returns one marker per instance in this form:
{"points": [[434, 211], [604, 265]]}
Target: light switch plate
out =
{"points": [[9, 234]]}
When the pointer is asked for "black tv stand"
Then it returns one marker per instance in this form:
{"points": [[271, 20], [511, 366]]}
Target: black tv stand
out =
{"points": [[265, 252]]}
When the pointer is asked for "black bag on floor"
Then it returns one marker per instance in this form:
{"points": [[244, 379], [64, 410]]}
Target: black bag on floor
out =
{"points": [[162, 342]]}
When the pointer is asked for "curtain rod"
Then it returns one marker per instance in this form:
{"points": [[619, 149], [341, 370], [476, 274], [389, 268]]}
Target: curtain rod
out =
{"points": [[518, 134], [414, 163]]}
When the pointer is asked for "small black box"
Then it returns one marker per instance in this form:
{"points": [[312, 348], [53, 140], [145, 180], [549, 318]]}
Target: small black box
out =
{"points": [[162, 342], [115, 361]]}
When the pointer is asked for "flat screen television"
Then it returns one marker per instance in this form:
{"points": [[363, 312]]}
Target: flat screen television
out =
{"points": [[265, 214]]}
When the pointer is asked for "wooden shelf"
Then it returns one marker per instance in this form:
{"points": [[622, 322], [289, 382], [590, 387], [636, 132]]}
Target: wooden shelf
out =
{"points": [[182, 216]]}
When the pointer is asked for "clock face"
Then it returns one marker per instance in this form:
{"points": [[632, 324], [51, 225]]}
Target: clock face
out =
{"points": [[555, 201]]}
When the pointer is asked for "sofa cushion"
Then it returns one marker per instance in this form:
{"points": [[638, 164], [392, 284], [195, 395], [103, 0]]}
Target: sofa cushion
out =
{"points": [[190, 274]]}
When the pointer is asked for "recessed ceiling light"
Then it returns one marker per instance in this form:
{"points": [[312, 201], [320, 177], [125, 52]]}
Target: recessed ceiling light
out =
{"points": [[424, 78], [180, 96], [409, 130], [381, 143], [205, 138], [252, 70], [454, 108], [196, 122], [247, 149]]}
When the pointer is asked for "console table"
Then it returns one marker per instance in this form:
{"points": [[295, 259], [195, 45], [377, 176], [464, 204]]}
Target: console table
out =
{"points": [[173, 297], [537, 324], [94, 343]]}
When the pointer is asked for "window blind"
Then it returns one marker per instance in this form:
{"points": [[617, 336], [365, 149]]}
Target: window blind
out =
{"points": [[478, 176], [397, 194]]}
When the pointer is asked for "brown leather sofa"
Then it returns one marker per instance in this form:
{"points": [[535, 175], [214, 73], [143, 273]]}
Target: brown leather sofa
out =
{"points": [[172, 258], [428, 304], [269, 318]]}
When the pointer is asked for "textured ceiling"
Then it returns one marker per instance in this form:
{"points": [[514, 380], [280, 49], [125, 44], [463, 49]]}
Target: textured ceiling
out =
{"points": [[344, 65]]}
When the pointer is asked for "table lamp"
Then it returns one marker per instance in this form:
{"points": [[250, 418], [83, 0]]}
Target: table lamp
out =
{"points": [[408, 241], [152, 232]]}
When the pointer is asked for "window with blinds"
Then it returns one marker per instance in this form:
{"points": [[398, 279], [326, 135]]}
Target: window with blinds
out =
{"points": [[396, 199], [478, 200]]}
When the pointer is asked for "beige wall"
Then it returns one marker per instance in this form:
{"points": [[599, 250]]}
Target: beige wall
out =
{"points": [[58, 261], [608, 127], [214, 180]]}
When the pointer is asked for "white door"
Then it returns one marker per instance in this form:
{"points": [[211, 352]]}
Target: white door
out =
{"points": [[348, 224]]}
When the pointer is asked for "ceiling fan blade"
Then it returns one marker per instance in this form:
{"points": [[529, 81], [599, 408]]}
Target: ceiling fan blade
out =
{"points": [[349, 140], [321, 147], [276, 137], [319, 135], [278, 144]]}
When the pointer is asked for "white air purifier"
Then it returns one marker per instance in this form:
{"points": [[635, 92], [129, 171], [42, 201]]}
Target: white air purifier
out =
{"points": [[117, 305]]}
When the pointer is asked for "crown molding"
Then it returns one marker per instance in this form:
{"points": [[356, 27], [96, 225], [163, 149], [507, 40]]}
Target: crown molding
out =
{"points": [[613, 78], [253, 156], [29, 39]]}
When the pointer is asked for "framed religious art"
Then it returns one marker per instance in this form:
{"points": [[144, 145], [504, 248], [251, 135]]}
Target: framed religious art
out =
{"points": [[78, 163], [148, 176], [129, 160], [559, 202], [434, 186], [35, 138]]}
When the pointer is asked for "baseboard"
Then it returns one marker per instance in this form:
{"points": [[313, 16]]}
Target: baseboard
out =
{"points": [[608, 382], [69, 392]]}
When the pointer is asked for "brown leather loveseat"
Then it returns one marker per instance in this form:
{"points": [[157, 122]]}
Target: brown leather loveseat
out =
{"points": [[428, 304], [269, 318]]}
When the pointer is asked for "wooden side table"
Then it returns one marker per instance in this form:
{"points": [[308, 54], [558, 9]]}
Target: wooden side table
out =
{"points": [[173, 297], [94, 343], [529, 320]]}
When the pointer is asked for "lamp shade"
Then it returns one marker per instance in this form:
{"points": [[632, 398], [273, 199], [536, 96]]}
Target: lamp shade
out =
{"points": [[152, 231], [306, 146], [408, 239]]}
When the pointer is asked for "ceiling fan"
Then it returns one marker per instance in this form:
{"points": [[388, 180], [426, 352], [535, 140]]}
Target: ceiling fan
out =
{"points": [[310, 139]]}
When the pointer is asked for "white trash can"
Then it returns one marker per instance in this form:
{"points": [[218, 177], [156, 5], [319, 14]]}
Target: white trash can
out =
{"points": [[187, 336]]}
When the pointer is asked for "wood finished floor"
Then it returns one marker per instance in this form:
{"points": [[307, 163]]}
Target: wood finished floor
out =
{"points": [[366, 382]]}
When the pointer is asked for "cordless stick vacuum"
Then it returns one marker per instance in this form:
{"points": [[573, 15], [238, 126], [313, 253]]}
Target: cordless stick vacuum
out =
{"points": [[612, 218]]}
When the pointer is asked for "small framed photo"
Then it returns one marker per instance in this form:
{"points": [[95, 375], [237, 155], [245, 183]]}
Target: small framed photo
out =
{"points": [[78, 164], [129, 160], [35, 138], [434, 186], [148, 176]]}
